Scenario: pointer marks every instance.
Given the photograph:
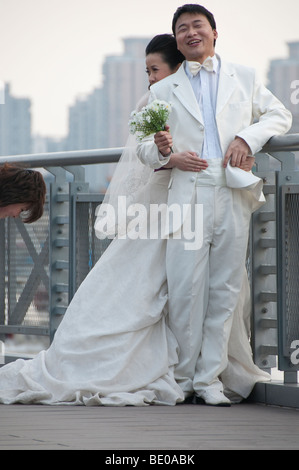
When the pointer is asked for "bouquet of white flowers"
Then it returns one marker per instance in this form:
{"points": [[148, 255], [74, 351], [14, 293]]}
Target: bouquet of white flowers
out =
{"points": [[151, 119]]}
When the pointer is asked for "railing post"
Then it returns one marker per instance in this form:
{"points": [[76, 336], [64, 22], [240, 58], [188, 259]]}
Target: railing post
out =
{"points": [[12, 293], [58, 248], [263, 259], [2, 276], [287, 210], [76, 187]]}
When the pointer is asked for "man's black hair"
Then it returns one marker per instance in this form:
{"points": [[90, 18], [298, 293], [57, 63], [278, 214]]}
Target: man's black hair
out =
{"points": [[193, 8]]}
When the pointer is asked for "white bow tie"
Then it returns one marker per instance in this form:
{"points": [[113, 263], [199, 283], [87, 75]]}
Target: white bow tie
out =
{"points": [[195, 67]]}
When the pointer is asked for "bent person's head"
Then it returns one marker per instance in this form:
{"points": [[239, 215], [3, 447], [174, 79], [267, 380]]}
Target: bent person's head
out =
{"points": [[21, 191]]}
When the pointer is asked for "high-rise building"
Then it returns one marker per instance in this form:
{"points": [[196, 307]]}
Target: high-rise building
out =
{"points": [[100, 119], [85, 122], [15, 124], [125, 82], [283, 81]]}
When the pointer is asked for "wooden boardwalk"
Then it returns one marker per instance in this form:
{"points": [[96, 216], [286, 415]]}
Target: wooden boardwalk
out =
{"points": [[183, 428]]}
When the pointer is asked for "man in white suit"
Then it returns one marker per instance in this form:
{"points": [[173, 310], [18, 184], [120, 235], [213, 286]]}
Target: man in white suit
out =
{"points": [[221, 114]]}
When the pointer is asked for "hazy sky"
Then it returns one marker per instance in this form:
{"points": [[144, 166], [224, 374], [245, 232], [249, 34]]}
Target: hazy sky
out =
{"points": [[52, 50]]}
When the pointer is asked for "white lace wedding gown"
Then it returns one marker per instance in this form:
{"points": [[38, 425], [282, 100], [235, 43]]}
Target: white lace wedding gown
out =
{"points": [[113, 346]]}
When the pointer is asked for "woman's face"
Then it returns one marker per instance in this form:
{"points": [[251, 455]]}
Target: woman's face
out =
{"points": [[157, 68], [13, 210]]}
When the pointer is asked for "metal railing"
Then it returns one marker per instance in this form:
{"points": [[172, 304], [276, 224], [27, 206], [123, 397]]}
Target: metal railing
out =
{"points": [[271, 260], [42, 265]]}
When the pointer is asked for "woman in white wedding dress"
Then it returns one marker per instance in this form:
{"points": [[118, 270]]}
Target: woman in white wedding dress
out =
{"points": [[113, 346]]}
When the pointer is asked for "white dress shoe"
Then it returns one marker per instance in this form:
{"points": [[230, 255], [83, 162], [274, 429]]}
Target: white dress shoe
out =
{"points": [[214, 398]]}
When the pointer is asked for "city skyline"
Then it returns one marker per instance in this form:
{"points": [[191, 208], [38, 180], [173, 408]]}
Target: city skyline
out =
{"points": [[53, 51]]}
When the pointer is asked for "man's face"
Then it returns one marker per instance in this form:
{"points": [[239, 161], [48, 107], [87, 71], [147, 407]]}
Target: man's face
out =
{"points": [[195, 37]]}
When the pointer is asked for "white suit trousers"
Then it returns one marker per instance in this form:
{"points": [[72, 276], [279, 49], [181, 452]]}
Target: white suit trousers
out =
{"points": [[204, 284]]}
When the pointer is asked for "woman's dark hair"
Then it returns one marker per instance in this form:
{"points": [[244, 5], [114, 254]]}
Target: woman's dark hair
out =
{"points": [[165, 44], [193, 8], [21, 186]]}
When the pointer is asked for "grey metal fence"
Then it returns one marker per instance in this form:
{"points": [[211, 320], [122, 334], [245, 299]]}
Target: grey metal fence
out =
{"points": [[42, 265]]}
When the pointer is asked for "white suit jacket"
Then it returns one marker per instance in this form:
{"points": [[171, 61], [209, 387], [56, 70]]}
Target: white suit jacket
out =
{"points": [[245, 108]]}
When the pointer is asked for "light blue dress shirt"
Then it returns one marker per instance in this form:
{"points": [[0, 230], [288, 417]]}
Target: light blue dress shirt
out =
{"points": [[205, 87]]}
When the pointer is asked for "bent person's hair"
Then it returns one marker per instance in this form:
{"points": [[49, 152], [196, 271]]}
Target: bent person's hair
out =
{"points": [[19, 185]]}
